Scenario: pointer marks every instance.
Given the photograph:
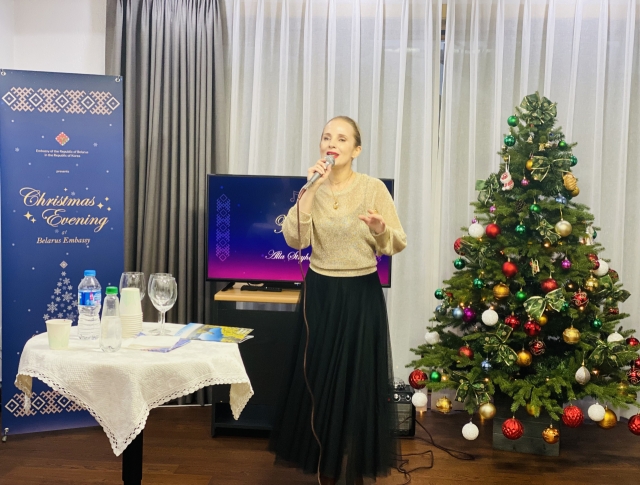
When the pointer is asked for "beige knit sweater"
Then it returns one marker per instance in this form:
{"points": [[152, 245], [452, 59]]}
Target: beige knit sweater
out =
{"points": [[342, 244]]}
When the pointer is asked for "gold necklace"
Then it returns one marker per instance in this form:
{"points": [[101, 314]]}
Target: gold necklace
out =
{"points": [[335, 201]]}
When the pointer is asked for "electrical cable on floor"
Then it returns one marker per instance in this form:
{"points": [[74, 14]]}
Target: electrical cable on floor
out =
{"points": [[459, 455]]}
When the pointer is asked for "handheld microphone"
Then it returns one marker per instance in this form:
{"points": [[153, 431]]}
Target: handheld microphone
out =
{"points": [[329, 160]]}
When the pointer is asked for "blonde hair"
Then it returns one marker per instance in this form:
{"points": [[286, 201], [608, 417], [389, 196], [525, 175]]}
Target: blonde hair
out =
{"points": [[354, 125]]}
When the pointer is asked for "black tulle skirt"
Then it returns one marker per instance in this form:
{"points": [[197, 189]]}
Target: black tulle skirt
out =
{"points": [[350, 373]]}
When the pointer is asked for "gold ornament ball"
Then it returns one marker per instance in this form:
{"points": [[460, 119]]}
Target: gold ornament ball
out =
{"points": [[524, 358], [551, 435], [501, 291], [591, 285], [610, 419], [570, 182], [563, 228], [529, 164], [444, 405], [571, 335], [487, 410], [543, 320], [533, 410], [575, 192]]}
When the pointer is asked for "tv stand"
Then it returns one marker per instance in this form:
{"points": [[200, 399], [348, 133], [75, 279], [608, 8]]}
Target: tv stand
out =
{"points": [[264, 356]]}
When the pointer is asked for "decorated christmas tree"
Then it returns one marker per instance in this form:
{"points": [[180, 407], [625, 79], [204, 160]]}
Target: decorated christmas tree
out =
{"points": [[531, 311]]}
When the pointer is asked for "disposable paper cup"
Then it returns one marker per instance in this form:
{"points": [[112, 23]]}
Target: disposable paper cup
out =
{"points": [[130, 302], [58, 333]]}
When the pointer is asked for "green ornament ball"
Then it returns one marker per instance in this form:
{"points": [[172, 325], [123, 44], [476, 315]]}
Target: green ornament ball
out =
{"points": [[565, 306], [459, 263], [521, 229], [509, 140], [478, 283], [534, 208], [521, 296], [435, 376], [439, 294], [596, 323], [512, 120], [562, 144], [574, 160]]}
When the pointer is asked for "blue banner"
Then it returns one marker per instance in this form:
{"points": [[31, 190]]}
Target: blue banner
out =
{"points": [[61, 178]]}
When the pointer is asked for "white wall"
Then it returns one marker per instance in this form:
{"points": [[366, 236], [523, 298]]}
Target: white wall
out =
{"points": [[58, 35], [6, 33]]}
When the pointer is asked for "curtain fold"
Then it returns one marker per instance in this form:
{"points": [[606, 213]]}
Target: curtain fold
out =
{"points": [[290, 65], [582, 54], [164, 50]]}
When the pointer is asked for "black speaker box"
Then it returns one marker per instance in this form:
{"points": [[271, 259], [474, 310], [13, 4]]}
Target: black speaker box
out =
{"points": [[401, 399]]}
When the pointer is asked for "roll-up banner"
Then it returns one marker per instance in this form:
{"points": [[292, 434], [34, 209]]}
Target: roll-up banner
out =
{"points": [[61, 183]]}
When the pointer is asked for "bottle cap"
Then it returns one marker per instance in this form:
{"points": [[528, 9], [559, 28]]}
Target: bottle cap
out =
{"points": [[111, 290], [89, 272]]}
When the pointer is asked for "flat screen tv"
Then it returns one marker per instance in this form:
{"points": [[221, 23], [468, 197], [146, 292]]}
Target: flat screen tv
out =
{"points": [[244, 231]]}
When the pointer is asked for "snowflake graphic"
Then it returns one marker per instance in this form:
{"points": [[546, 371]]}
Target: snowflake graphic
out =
{"points": [[60, 315], [59, 283], [69, 287], [58, 299], [57, 291], [64, 287], [66, 281], [17, 149], [56, 231], [95, 144], [74, 303], [52, 307], [67, 296], [72, 193], [45, 317], [64, 273]]}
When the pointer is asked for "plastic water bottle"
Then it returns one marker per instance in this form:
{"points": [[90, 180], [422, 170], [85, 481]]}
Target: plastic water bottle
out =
{"points": [[89, 301], [111, 325]]}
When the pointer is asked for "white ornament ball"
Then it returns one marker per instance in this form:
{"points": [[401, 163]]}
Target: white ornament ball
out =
{"points": [[583, 375], [432, 338], [476, 230], [489, 317], [602, 270], [614, 337], [596, 412], [419, 400], [470, 431]]}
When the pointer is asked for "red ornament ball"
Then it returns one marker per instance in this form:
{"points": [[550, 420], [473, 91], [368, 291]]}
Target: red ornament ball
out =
{"points": [[633, 375], [466, 351], [613, 274], [532, 328], [492, 230], [457, 246], [512, 429], [635, 363], [549, 285], [512, 321], [509, 269], [634, 424], [634, 342], [416, 377], [613, 311], [537, 347], [592, 257], [572, 416], [579, 298]]}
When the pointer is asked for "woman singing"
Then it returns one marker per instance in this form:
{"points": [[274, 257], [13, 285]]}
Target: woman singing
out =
{"points": [[347, 218]]}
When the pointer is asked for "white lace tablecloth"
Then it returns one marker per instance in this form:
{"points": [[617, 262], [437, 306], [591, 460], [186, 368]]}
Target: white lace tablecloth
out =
{"points": [[119, 389]]}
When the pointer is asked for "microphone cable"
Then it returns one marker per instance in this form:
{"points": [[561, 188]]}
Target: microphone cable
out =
{"points": [[306, 345]]}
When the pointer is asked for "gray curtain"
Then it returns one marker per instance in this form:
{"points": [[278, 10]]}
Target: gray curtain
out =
{"points": [[164, 51]]}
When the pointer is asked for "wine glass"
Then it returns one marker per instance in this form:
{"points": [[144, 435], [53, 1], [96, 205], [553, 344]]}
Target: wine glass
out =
{"points": [[163, 292], [133, 279]]}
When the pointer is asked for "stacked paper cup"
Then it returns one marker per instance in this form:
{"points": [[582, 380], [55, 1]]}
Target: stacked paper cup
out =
{"points": [[130, 312]]}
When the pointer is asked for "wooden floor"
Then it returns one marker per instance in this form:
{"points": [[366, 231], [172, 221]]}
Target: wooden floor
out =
{"points": [[178, 450]]}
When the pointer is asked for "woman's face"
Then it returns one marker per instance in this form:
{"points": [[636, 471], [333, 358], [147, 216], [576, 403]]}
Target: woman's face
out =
{"points": [[338, 139]]}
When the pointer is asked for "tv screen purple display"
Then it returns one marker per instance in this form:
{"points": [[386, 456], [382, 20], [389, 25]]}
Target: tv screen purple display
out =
{"points": [[244, 235]]}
